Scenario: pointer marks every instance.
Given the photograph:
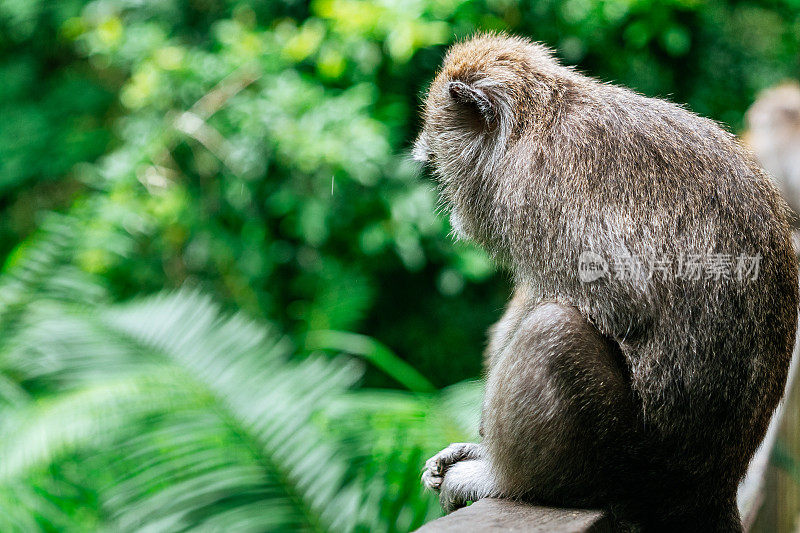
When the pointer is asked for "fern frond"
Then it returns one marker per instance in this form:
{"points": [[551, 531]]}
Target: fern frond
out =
{"points": [[197, 419]]}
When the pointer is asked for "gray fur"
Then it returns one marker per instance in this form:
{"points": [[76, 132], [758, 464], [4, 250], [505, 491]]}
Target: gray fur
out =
{"points": [[647, 396]]}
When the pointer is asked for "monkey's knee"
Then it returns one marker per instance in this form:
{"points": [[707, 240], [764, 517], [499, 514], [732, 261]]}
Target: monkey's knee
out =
{"points": [[556, 398]]}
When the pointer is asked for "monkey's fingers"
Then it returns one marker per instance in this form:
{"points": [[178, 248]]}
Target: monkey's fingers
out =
{"points": [[467, 481], [432, 481], [459, 451]]}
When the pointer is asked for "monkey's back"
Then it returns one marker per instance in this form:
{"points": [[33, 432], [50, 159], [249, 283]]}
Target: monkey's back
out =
{"points": [[631, 178]]}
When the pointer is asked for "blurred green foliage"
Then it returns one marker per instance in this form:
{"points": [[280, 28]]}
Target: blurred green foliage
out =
{"points": [[257, 150]]}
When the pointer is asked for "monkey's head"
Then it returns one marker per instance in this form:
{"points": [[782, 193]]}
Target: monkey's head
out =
{"points": [[777, 109], [491, 90], [773, 123]]}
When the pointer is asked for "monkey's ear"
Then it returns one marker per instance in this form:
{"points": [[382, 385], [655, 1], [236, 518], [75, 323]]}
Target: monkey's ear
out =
{"points": [[473, 96]]}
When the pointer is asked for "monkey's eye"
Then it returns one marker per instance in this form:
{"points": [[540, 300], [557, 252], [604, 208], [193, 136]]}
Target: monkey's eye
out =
{"points": [[470, 95]]}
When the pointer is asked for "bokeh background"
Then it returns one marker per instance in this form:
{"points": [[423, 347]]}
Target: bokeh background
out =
{"points": [[229, 302]]}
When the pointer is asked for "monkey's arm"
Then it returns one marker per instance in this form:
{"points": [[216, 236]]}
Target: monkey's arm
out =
{"points": [[501, 333]]}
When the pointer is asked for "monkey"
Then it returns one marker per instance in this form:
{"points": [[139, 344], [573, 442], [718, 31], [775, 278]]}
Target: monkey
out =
{"points": [[644, 391], [773, 133]]}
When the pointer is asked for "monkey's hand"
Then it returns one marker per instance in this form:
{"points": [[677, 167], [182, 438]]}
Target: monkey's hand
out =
{"points": [[459, 475]]}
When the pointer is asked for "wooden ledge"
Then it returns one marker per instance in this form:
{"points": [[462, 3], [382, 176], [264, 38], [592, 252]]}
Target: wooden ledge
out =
{"points": [[491, 514]]}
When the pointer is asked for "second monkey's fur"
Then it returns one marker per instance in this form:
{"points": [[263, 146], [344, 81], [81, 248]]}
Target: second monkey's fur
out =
{"points": [[647, 395]]}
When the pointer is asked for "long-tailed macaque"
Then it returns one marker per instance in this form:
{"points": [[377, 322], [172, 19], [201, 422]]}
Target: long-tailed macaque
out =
{"points": [[655, 305]]}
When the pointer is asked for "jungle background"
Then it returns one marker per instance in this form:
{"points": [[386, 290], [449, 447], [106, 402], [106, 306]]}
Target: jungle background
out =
{"points": [[228, 300]]}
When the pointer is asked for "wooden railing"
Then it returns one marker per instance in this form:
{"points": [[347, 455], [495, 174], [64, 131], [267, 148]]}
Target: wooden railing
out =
{"points": [[491, 514], [774, 495]]}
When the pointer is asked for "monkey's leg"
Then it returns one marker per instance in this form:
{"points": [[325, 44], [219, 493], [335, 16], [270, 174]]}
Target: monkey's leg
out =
{"points": [[557, 411]]}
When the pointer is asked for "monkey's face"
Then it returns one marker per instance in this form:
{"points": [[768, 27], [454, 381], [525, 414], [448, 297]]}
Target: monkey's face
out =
{"points": [[480, 101], [460, 143], [470, 103], [777, 107]]}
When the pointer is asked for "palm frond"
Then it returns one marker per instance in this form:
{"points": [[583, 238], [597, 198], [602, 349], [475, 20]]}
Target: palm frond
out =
{"points": [[197, 419], [246, 368], [39, 267], [39, 431]]}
